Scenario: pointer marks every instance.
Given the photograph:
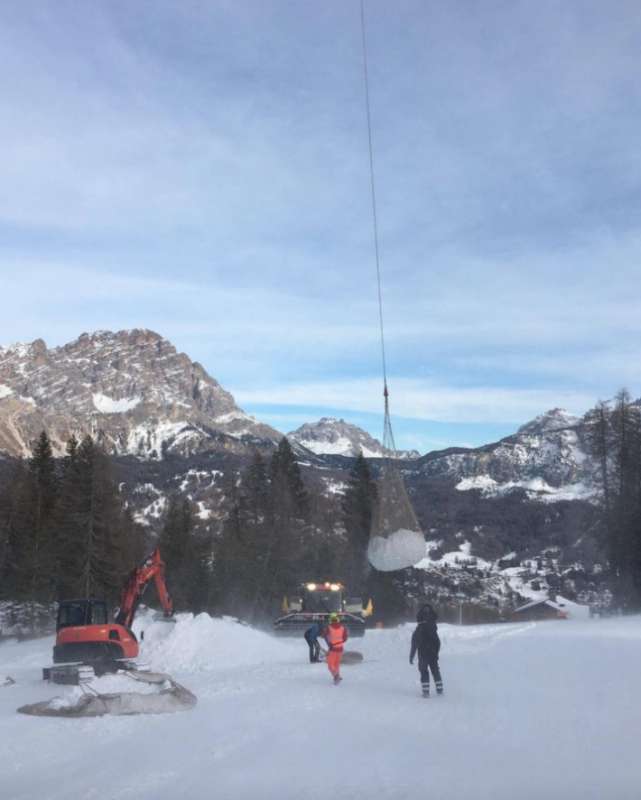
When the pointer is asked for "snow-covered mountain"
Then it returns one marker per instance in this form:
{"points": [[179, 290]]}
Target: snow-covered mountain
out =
{"points": [[515, 516], [546, 458], [132, 389], [331, 436]]}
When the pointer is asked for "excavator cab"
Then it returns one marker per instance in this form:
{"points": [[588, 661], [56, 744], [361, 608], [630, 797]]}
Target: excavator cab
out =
{"points": [[72, 613]]}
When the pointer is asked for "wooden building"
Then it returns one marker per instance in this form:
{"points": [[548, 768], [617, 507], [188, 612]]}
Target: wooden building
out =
{"points": [[538, 610]]}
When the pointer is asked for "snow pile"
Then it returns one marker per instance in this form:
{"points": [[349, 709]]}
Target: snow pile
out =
{"points": [[5, 391], [199, 643], [401, 549]]}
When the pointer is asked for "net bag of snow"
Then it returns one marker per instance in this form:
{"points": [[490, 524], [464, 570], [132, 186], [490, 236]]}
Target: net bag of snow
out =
{"points": [[396, 540], [168, 697]]}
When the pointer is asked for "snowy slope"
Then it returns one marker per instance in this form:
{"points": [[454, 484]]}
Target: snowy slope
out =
{"points": [[530, 711], [546, 459]]}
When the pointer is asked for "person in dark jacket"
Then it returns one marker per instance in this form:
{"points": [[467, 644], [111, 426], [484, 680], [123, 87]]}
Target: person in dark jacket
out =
{"points": [[426, 642], [311, 637]]}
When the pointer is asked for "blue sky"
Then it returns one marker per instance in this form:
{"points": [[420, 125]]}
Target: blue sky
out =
{"points": [[200, 169]]}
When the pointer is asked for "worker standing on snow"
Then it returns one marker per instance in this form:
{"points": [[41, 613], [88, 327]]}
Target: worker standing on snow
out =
{"points": [[425, 639], [335, 634], [311, 637]]}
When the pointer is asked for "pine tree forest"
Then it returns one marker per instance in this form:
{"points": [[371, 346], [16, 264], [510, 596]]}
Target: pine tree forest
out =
{"points": [[66, 531], [614, 438]]}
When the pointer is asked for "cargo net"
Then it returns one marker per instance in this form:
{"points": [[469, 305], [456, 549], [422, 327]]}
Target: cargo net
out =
{"points": [[156, 693], [396, 540]]}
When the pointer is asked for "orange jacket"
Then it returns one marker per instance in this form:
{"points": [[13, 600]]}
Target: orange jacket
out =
{"points": [[335, 635]]}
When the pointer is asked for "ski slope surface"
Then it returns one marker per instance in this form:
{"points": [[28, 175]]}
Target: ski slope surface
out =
{"points": [[530, 710]]}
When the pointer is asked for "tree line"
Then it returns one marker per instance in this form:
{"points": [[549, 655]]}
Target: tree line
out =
{"points": [[66, 531], [613, 432]]}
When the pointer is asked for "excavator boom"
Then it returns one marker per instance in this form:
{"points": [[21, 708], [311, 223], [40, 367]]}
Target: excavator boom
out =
{"points": [[153, 568]]}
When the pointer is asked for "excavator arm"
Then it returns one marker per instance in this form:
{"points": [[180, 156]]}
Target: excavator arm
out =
{"points": [[153, 568]]}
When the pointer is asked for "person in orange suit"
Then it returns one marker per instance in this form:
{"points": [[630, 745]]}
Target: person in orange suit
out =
{"points": [[335, 634]]}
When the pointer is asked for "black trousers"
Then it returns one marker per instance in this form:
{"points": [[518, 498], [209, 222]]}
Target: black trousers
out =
{"points": [[429, 663], [314, 650]]}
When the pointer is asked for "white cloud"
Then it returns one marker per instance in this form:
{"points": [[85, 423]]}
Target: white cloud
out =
{"points": [[421, 400]]}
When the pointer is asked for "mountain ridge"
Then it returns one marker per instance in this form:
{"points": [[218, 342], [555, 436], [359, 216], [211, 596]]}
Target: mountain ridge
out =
{"points": [[333, 436], [131, 389]]}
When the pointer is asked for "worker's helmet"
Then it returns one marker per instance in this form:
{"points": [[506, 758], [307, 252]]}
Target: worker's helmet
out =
{"points": [[333, 617]]}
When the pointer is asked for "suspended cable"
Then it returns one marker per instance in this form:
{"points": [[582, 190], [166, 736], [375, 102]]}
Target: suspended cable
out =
{"points": [[396, 541], [373, 194]]}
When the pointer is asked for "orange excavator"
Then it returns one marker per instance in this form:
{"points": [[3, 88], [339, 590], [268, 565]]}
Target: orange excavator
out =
{"points": [[86, 642]]}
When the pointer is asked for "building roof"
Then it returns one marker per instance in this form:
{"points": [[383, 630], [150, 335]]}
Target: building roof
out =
{"points": [[534, 603]]}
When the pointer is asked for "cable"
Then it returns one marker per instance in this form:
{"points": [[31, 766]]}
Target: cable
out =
{"points": [[373, 193], [388, 436]]}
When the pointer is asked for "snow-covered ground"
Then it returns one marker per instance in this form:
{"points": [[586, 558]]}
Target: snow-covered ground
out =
{"points": [[531, 710]]}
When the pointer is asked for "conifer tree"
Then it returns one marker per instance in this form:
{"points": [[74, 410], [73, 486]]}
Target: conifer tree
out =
{"points": [[64, 530], [42, 470], [29, 537], [614, 439], [69, 542], [288, 524], [90, 527], [255, 487], [11, 530], [357, 507], [5, 516], [289, 496], [178, 551], [242, 551]]}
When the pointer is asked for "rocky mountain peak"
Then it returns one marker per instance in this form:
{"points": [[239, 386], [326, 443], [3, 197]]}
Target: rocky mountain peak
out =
{"points": [[332, 436], [553, 420], [132, 388]]}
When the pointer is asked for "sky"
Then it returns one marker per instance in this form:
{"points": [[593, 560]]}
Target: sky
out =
{"points": [[201, 169]]}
